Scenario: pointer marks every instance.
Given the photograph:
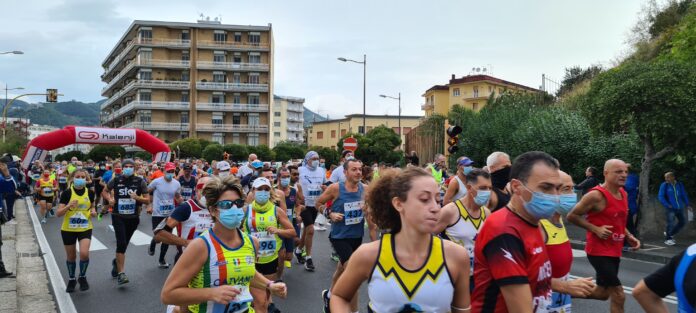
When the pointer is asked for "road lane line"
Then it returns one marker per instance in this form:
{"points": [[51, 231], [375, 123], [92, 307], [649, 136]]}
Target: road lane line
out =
{"points": [[629, 291], [95, 245], [139, 238], [65, 303]]}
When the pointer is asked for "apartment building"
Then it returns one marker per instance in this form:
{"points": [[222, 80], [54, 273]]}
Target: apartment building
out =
{"points": [[203, 80], [288, 119], [328, 132]]}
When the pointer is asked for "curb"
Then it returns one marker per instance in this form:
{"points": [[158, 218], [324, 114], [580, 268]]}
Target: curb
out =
{"points": [[653, 258]]}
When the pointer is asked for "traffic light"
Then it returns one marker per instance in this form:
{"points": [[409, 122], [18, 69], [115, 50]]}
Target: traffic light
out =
{"points": [[51, 95], [452, 132]]}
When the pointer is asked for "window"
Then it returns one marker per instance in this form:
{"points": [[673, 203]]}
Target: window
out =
{"points": [[236, 98], [235, 138], [145, 34], [218, 56], [276, 113], [276, 124], [333, 134], [237, 37], [145, 55], [432, 99], [219, 77], [237, 57], [253, 119], [236, 119], [361, 130], [145, 95], [343, 132], [490, 89], [254, 39], [217, 97], [236, 78], [253, 78], [254, 57], [145, 74], [407, 130], [217, 118], [185, 96], [320, 135], [253, 99], [184, 117], [185, 35], [253, 139], [185, 56], [185, 76], [474, 106], [476, 93], [183, 135], [219, 138], [276, 134], [145, 116], [220, 36], [455, 92]]}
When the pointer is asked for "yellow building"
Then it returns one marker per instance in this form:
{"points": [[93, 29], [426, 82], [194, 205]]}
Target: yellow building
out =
{"points": [[177, 80], [327, 133], [470, 92], [288, 119]]}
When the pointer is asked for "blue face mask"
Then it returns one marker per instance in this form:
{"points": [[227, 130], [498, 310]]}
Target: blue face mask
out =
{"points": [[314, 164], [231, 218], [482, 197], [79, 182], [567, 203], [169, 176], [285, 182], [542, 205], [128, 171], [262, 196], [468, 170]]}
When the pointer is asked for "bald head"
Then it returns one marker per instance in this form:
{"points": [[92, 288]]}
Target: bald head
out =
{"points": [[567, 182], [252, 158], [615, 173], [609, 164]]}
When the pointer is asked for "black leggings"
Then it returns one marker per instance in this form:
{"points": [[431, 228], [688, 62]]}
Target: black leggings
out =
{"points": [[156, 220], [124, 229]]}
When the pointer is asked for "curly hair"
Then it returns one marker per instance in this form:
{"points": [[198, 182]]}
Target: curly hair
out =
{"points": [[215, 187], [391, 183]]}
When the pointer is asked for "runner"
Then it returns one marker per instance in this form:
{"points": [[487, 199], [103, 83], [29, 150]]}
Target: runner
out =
{"points": [[77, 204], [461, 220], [458, 190], [47, 187], [561, 254], [129, 191], [165, 190], [678, 276], [512, 267], [338, 174], [312, 178], [217, 269], [266, 222], [62, 180], [606, 207], [407, 270], [98, 185], [291, 199], [348, 223], [188, 182]]}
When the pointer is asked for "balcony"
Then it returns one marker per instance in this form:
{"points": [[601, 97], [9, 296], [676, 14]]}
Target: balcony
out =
{"points": [[295, 129], [158, 126], [296, 108], [232, 87], [426, 107], [157, 84], [170, 43], [232, 128], [212, 65], [296, 119], [145, 62], [231, 45], [140, 105], [231, 107]]}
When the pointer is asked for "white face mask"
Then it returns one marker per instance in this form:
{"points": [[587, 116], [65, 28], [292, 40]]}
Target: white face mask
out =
{"points": [[223, 174]]}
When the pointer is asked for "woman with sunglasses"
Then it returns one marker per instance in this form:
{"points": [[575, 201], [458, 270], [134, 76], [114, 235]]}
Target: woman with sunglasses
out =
{"points": [[217, 269]]}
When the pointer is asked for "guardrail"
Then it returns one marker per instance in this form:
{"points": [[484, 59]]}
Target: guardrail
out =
{"points": [[157, 126], [145, 62], [165, 84], [231, 45], [179, 43]]}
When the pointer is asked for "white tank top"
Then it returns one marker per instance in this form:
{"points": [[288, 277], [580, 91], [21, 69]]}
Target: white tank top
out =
{"points": [[391, 288], [464, 231], [198, 222], [461, 191]]}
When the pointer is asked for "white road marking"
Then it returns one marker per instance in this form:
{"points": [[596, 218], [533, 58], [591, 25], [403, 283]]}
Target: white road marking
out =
{"points": [[629, 291], [139, 238], [95, 245], [579, 253]]}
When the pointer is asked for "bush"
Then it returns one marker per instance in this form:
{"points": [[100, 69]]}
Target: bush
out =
{"points": [[143, 155], [186, 148], [263, 152], [213, 152], [285, 151], [100, 152]]}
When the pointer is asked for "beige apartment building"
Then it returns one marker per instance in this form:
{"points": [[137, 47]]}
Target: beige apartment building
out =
{"points": [[327, 133], [288, 119], [203, 80]]}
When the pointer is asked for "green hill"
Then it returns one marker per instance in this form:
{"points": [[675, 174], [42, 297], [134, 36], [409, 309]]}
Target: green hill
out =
{"points": [[61, 114]]}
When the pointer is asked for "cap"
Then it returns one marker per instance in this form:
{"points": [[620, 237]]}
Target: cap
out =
{"points": [[169, 167], [187, 166], [223, 166], [127, 161], [465, 161], [261, 181], [257, 164]]}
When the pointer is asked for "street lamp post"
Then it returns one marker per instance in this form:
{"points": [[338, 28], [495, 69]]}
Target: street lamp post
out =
{"points": [[364, 63], [396, 98], [6, 89]]}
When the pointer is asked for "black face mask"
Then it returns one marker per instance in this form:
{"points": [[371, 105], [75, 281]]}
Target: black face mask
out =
{"points": [[501, 177]]}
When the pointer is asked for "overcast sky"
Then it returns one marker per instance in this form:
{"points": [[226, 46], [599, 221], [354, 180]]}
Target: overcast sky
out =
{"points": [[410, 45]]}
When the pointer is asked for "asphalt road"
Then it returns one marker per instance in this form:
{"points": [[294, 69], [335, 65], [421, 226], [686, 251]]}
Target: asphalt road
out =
{"points": [[304, 288]]}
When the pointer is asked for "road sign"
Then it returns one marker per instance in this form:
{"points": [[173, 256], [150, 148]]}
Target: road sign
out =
{"points": [[350, 143]]}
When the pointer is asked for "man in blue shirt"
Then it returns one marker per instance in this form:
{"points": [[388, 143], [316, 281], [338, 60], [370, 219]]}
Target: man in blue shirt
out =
{"points": [[7, 185], [673, 197]]}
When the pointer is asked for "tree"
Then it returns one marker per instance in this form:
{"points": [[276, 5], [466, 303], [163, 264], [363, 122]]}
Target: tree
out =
{"points": [[653, 99], [212, 152], [69, 155], [376, 146], [236, 152], [187, 148], [575, 76], [143, 155], [14, 142], [100, 152], [288, 150], [263, 152]]}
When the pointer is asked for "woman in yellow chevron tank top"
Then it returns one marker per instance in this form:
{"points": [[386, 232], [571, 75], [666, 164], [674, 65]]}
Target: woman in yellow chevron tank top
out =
{"points": [[217, 269], [77, 204], [407, 270]]}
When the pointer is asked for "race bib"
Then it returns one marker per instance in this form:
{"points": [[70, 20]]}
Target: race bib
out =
{"points": [[63, 180], [560, 303], [126, 206], [48, 191], [201, 227], [471, 260], [291, 213], [77, 221], [352, 212], [186, 193], [166, 206], [312, 194], [241, 302], [267, 243]]}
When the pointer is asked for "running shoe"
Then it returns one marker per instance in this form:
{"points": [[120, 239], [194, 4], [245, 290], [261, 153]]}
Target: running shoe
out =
{"points": [[309, 265], [300, 257], [151, 249], [43, 220], [325, 298], [334, 256], [122, 278], [319, 227], [114, 270], [71, 285], [83, 283], [163, 264], [670, 242], [288, 264]]}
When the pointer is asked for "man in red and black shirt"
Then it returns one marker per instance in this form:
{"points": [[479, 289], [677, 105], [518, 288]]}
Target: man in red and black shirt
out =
{"points": [[512, 268]]}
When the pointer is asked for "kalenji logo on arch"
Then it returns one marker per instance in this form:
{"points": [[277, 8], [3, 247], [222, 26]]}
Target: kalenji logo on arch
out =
{"points": [[104, 135], [88, 135]]}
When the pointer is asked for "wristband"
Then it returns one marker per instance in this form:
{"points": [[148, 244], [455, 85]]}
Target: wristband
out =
{"points": [[268, 285]]}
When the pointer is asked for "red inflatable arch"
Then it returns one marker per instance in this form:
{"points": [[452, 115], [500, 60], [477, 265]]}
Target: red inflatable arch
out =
{"points": [[38, 148]]}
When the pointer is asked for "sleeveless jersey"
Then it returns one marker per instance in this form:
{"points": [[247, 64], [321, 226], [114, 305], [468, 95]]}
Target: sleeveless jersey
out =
{"points": [[391, 288], [461, 190], [290, 201], [614, 214], [46, 187], [464, 231], [226, 266], [78, 219], [561, 257], [350, 205], [311, 181], [198, 222], [687, 260], [187, 187], [256, 224]]}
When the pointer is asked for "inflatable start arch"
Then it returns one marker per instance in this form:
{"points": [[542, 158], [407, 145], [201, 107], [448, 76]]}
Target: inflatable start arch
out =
{"points": [[38, 148]]}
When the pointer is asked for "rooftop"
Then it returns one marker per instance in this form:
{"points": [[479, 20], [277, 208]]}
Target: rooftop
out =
{"points": [[348, 117], [478, 78]]}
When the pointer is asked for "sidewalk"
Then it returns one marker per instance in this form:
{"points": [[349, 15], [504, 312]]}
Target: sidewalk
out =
{"points": [[653, 250], [29, 290]]}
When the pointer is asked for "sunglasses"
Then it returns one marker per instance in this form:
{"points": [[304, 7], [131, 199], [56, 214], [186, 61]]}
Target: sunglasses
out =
{"points": [[228, 204]]}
